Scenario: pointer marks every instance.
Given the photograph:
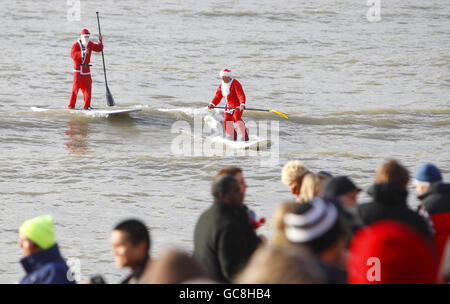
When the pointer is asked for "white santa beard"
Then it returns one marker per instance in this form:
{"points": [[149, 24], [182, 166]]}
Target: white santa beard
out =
{"points": [[226, 88], [85, 41]]}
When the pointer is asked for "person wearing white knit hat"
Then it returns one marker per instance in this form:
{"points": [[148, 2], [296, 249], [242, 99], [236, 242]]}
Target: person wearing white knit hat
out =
{"points": [[232, 91], [318, 226]]}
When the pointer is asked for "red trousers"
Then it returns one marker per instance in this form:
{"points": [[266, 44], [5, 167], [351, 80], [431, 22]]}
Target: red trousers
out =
{"points": [[229, 119], [83, 82]]}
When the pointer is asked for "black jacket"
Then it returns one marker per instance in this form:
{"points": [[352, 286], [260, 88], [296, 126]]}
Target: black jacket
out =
{"points": [[349, 217], [46, 267], [224, 240], [334, 274], [436, 199], [134, 277], [389, 202]]}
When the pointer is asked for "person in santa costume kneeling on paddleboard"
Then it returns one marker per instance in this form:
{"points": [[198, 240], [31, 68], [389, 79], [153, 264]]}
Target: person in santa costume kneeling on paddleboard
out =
{"points": [[232, 90], [81, 55]]}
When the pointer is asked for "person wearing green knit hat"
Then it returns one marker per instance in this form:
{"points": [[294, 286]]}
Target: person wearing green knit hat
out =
{"points": [[42, 260], [40, 231]]}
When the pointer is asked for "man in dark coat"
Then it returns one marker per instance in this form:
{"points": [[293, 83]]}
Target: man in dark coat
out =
{"points": [[437, 198], [42, 260], [390, 199], [390, 202], [224, 239]]}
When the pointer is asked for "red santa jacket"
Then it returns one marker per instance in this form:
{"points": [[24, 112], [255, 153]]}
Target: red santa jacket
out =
{"points": [[78, 59], [234, 99]]}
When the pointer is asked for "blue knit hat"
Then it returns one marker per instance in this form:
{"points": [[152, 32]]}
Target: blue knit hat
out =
{"points": [[428, 173]]}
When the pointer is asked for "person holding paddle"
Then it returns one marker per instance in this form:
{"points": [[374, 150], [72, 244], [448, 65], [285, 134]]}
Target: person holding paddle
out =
{"points": [[81, 55], [232, 90]]}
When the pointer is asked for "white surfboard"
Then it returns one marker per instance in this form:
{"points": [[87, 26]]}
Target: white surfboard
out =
{"points": [[256, 144], [96, 112]]}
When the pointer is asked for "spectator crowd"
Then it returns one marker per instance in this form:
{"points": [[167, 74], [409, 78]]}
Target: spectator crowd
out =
{"points": [[324, 235]]}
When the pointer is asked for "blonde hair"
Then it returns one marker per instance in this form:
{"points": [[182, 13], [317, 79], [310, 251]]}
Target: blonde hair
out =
{"points": [[292, 171], [279, 237], [281, 265], [310, 187], [321, 180]]}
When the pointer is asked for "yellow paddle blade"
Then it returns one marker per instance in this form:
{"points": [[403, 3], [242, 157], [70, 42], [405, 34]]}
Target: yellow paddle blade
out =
{"points": [[279, 113]]}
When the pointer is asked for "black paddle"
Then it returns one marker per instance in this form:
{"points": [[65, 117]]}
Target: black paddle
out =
{"points": [[109, 98]]}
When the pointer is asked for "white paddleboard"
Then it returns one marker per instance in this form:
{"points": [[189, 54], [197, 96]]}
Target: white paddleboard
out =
{"points": [[102, 112], [258, 144]]}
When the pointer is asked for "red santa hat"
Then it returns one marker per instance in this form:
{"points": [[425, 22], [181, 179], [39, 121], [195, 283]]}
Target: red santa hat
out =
{"points": [[85, 32], [225, 72], [404, 256]]}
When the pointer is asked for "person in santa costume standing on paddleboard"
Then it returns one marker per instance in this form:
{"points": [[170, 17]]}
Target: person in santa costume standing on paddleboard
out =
{"points": [[232, 91], [81, 55]]}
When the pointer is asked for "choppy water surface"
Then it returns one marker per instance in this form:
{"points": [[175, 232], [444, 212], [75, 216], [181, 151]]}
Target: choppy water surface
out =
{"points": [[356, 92]]}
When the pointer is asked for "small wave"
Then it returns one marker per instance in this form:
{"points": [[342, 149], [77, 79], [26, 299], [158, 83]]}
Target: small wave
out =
{"points": [[355, 154], [419, 7], [172, 10], [383, 111], [220, 14], [37, 109], [148, 158], [441, 123], [341, 120], [159, 96], [388, 111], [183, 111], [309, 120], [34, 194], [320, 12], [140, 194]]}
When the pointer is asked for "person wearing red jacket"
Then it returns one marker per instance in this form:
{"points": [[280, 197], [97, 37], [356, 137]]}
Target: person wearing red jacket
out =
{"points": [[81, 55], [232, 90], [434, 195]]}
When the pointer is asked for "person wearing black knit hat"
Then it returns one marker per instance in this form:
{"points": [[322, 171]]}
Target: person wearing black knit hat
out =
{"points": [[344, 192], [342, 188], [317, 225]]}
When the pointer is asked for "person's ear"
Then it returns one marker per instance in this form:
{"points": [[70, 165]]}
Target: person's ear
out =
{"points": [[222, 196], [34, 247], [25, 243], [296, 190], [142, 246], [31, 247]]}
